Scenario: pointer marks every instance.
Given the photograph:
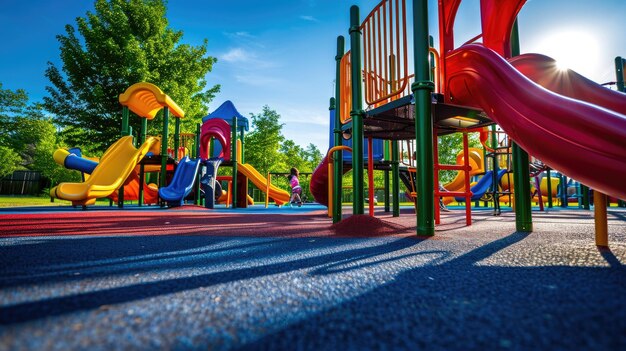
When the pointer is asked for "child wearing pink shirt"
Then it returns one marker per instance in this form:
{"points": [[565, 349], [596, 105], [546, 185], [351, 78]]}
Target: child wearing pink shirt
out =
{"points": [[296, 189]]}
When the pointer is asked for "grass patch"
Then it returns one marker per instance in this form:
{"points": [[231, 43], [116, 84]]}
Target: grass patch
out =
{"points": [[21, 201], [27, 201]]}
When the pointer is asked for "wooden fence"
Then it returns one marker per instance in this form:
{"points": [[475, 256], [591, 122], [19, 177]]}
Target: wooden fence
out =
{"points": [[22, 183]]}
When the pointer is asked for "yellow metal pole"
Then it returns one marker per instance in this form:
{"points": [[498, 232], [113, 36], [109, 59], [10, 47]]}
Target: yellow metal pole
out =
{"points": [[331, 170], [601, 222], [267, 189], [229, 195]]}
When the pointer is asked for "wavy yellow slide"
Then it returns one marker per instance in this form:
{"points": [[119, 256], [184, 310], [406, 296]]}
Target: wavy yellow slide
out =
{"points": [[458, 183], [115, 166], [279, 195]]}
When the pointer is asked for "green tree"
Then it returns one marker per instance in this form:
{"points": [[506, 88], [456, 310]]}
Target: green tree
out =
{"points": [[29, 134], [29, 138], [10, 161], [293, 156], [12, 103], [313, 156], [264, 142], [449, 147], [121, 43], [44, 163]]}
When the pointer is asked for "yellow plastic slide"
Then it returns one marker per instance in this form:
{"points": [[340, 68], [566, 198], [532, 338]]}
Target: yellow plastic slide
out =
{"points": [[115, 166], [279, 195], [458, 183]]}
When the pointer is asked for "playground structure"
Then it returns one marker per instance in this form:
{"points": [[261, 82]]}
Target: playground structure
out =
{"points": [[222, 133], [572, 124], [120, 173], [122, 158]]}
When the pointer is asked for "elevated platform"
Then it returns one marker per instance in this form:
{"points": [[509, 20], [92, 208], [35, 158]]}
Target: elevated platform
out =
{"points": [[396, 120]]}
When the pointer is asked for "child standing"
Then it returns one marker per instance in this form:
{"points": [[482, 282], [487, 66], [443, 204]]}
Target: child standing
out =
{"points": [[296, 189]]}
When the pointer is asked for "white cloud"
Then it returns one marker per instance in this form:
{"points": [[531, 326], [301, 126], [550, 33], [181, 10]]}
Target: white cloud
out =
{"points": [[244, 35], [244, 39], [236, 55], [239, 35], [313, 115], [257, 80], [309, 18]]}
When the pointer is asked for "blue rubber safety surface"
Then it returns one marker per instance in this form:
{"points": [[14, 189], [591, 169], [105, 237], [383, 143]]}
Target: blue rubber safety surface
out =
{"points": [[483, 287], [257, 209]]}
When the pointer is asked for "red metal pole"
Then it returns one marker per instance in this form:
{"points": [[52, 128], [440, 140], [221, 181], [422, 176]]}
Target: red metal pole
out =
{"points": [[370, 174], [468, 192], [436, 176]]}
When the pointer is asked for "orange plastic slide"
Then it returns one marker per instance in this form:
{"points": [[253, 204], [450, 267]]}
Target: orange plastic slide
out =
{"points": [[280, 196]]}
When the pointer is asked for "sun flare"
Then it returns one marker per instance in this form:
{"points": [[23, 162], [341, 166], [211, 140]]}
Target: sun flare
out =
{"points": [[572, 49]]}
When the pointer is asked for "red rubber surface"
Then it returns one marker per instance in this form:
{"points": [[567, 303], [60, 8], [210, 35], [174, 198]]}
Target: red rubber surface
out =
{"points": [[194, 220]]}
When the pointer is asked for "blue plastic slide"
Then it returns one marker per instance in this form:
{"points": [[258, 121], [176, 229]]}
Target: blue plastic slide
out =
{"points": [[182, 182], [482, 186], [209, 185]]}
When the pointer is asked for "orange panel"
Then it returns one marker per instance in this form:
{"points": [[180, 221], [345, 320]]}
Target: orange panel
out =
{"points": [[385, 57]]}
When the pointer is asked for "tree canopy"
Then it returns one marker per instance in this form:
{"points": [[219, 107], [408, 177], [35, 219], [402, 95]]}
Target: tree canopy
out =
{"points": [[28, 137], [121, 43], [269, 151], [263, 143]]}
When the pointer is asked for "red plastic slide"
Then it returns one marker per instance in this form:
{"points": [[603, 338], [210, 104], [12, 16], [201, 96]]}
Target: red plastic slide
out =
{"points": [[319, 182], [544, 71], [580, 139]]}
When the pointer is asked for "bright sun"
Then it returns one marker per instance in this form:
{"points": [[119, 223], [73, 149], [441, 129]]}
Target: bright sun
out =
{"points": [[573, 49]]}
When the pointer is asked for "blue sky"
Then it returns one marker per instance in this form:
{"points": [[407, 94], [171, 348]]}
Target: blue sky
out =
{"points": [[281, 52]]}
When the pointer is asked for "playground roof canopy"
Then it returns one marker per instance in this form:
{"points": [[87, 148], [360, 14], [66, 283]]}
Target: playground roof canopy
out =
{"points": [[146, 99], [227, 111]]}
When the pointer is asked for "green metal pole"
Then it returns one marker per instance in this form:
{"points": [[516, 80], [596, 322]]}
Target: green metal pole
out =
{"points": [[164, 137], [337, 165], [357, 112], [387, 181], [338, 155], [585, 196], [521, 175], [125, 132], [125, 121], [619, 74], [387, 157], [422, 90], [395, 178], [233, 156], [564, 196], [196, 142], [523, 217], [176, 138], [494, 145], [431, 58], [142, 140], [143, 131]]}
